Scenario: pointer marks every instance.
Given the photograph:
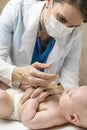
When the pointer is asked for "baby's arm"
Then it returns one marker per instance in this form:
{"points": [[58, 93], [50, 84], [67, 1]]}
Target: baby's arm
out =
{"points": [[34, 119], [29, 109], [6, 104]]}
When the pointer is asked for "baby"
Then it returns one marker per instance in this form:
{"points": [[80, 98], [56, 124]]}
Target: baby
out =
{"points": [[69, 106]]}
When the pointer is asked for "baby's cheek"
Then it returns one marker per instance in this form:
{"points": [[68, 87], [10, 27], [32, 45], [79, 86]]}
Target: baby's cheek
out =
{"points": [[63, 101]]}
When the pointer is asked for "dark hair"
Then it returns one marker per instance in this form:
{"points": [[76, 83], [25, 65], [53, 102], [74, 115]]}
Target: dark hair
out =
{"points": [[79, 4]]}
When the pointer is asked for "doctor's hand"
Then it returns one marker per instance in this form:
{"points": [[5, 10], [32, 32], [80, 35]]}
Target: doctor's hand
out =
{"points": [[31, 75]]}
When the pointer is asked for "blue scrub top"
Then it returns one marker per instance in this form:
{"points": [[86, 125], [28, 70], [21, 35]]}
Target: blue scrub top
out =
{"points": [[38, 56]]}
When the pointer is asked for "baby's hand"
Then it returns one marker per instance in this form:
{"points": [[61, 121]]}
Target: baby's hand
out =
{"points": [[43, 95], [32, 92], [27, 94]]}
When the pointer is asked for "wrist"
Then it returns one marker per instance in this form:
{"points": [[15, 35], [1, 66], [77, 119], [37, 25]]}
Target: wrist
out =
{"points": [[15, 75], [16, 84]]}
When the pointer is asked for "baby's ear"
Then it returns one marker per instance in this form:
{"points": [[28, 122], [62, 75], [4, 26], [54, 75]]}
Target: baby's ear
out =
{"points": [[73, 118]]}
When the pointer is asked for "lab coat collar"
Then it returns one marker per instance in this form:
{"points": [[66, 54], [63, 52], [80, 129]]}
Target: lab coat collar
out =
{"points": [[32, 17]]}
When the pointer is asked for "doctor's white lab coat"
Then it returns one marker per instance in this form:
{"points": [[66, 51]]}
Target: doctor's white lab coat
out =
{"points": [[19, 23]]}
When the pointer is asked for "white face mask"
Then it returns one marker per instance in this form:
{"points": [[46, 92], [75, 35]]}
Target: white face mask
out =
{"points": [[56, 29]]}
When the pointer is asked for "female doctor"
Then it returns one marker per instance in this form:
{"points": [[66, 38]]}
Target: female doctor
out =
{"points": [[43, 41]]}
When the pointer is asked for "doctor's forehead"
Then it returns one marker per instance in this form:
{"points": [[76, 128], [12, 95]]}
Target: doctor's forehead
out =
{"points": [[70, 13]]}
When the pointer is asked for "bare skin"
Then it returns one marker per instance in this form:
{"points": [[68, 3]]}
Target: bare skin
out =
{"points": [[55, 110], [36, 109], [6, 104], [42, 113]]}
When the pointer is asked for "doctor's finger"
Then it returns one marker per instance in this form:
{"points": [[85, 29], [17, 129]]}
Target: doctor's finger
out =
{"points": [[39, 65], [36, 82], [43, 75]]}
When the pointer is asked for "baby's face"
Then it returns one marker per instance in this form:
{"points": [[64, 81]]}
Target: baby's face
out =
{"points": [[72, 99]]}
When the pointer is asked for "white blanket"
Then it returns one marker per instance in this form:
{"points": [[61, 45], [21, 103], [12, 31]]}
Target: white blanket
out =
{"points": [[14, 125]]}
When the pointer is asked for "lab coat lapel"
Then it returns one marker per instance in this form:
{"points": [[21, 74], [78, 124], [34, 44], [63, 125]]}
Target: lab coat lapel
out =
{"points": [[56, 53], [28, 42], [31, 22]]}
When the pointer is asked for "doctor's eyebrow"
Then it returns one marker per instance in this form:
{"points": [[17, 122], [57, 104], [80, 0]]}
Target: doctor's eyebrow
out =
{"points": [[61, 18]]}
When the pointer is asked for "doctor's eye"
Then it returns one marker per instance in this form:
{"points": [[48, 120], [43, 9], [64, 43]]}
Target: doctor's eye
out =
{"points": [[61, 18]]}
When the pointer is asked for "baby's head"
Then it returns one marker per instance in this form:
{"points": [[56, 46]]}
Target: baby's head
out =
{"points": [[73, 104]]}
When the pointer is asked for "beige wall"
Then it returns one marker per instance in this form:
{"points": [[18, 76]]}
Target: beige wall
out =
{"points": [[2, 3], [83, 67]]}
